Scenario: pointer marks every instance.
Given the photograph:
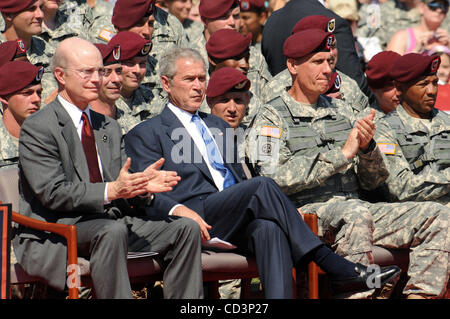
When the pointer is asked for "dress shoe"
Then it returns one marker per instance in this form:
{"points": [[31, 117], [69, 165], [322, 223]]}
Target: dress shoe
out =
{"points": [[365, 279]]}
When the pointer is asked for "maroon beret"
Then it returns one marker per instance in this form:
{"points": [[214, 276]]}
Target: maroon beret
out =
{"points": [[16, 75], [379, 67], [227, 43], [11, 50], [131, 45], [110, 53], [335, 83], [13, 6], [308, 41], [213, 9], [127, 13], [225, 80], [253, 5], [411, 66], [324, 23]]}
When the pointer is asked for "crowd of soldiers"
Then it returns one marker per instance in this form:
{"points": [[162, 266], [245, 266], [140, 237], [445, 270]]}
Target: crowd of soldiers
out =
{"points": [[374, 172]]}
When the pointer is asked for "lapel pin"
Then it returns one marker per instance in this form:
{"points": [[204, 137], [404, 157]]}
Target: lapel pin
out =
{"points": [[104, 138]]}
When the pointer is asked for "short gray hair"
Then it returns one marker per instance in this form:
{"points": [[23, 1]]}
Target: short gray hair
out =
{"points": [[168, 61]]}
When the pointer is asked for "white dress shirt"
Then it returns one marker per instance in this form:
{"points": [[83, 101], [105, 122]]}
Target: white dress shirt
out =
{"points": [[186, 119], [76, 115]]}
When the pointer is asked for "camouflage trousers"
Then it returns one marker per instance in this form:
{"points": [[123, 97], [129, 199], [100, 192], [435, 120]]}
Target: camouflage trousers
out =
{"points": [[352, 227]]}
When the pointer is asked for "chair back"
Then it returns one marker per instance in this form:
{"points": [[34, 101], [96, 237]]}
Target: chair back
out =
{"points": [[9, 186], [5, 250]]}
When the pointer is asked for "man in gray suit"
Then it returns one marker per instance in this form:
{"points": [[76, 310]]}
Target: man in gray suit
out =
{"points": [[73, 170]]}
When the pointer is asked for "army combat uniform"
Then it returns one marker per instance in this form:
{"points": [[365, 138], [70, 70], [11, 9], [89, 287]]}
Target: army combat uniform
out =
{"points": [[9, 148], [40, 54], [417, 155], [168, 32], [300, 147], [350, 91], [140, 106]]}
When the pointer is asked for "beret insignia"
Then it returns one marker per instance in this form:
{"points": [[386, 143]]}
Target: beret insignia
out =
{"points": [[116, 52], [146, 49], [39, 74], [331, 25]]}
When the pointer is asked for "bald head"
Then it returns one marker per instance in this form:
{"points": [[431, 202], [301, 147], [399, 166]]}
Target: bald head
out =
{"points": [[71, 49], [78, 69]]}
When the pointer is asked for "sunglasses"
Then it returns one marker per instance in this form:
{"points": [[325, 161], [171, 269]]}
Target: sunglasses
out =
{"points": [[438, 5]]}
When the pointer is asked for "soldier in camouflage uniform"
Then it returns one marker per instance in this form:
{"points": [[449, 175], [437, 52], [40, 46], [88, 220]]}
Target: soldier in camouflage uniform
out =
{"points": [[350, 91], [61, 21], [221, 14], [64, 21], [222, 54], [37, 51], [149, 21], [136, 102], [322, 156], [181, 10], [414, 142], [414, 138], [381, 84], [100, 8], [20, 95]]}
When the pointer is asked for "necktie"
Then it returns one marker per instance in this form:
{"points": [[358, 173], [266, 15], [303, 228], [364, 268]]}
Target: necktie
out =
{"points": [[88, 142], [215, 159]]}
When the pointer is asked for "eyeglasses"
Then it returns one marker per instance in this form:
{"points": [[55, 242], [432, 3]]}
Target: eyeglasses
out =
{"points": [[438, 5], [87, 74]]}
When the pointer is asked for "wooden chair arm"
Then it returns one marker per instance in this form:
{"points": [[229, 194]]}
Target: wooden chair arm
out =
{"points": [[69, 232], [311, 221]]}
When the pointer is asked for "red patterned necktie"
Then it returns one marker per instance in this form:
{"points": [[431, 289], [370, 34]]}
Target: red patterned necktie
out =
{"points": [[88, 142]]}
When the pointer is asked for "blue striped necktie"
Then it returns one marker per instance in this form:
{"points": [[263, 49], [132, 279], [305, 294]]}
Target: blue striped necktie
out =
{"points": [[215, 159]]}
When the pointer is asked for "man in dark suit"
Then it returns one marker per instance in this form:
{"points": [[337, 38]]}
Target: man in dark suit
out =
{"points": [[279, 27], [253, 214], [72, 171]]}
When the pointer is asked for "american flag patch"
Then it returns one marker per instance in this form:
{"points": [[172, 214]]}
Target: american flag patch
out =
{"points": [[387, 148], [271, 131], [106, 35]]}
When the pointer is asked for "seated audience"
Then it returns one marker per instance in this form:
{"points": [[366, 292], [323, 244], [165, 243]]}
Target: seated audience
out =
{"points": [[322, 156], [253, 214], [73, 171]]}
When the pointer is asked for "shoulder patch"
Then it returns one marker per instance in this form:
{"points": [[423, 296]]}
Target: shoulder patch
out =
{"points": [[387, 148], [271, 131], [106, 35]]}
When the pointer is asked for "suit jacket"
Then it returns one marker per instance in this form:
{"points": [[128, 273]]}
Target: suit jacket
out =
{"points": [[54, 184], [165, 136], [279, 27]]}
